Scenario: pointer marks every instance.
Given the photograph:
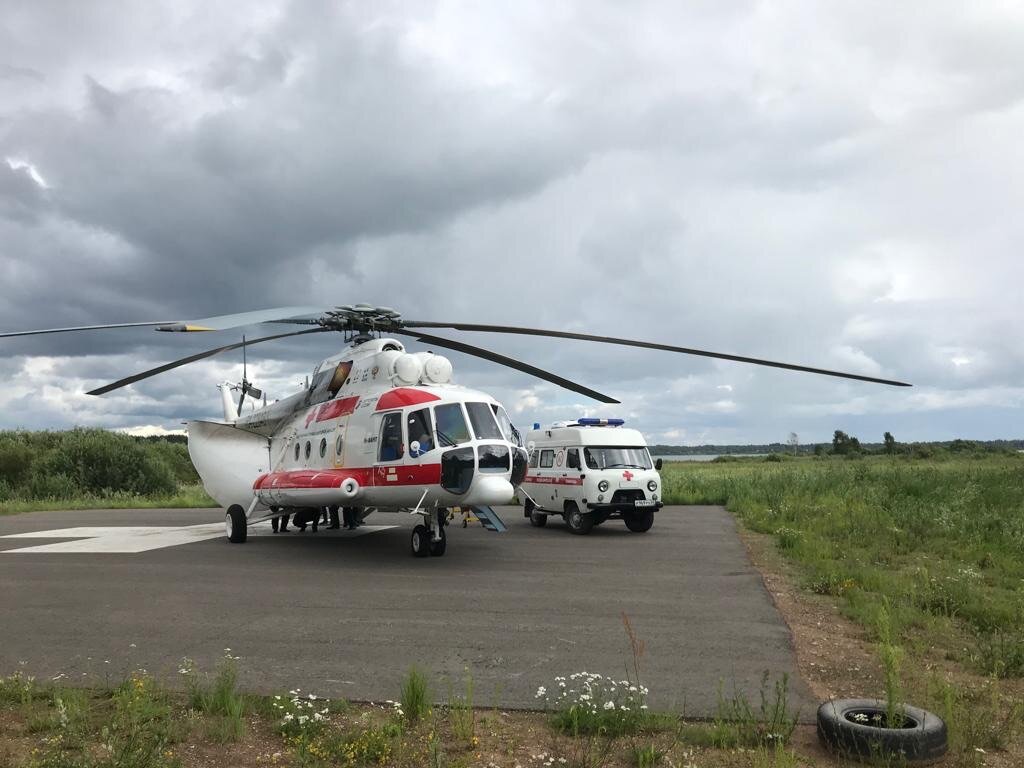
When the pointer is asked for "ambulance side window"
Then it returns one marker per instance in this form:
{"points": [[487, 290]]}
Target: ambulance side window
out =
{"points": [[534, 454], [547, 459], [391, 446], [572, 458]]}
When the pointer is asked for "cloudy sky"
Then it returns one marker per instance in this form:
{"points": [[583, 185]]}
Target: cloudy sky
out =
{"points": [[833, 184]]}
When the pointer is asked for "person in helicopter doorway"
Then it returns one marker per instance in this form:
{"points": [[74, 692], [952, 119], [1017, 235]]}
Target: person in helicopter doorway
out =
{"points": [[279, 523]]}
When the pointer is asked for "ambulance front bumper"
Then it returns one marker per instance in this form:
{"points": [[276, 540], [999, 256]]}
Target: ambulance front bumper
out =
{"points": [[627, 507]]}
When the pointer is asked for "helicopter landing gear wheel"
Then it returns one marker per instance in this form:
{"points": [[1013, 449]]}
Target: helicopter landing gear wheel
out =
{"points": [[538, 519], [235, 524], [420, 541], [438, 547]]}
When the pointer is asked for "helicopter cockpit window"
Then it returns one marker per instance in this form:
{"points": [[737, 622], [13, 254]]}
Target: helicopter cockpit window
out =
{"points": [[505, 423], [391, 446], [419, 428], [340, 377], [482, 418], [451, 424]]}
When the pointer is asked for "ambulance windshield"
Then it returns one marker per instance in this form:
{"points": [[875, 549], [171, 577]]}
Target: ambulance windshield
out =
{"points": [[612, 457]]}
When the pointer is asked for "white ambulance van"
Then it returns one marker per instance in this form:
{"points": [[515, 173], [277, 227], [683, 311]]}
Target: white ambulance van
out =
{"points": [[589, 471]]}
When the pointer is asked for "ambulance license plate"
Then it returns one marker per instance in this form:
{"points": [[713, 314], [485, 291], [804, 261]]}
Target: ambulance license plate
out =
{"points": [[643, 503]]}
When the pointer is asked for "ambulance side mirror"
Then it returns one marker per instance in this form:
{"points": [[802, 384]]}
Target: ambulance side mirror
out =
{"points": [[657, 464]]}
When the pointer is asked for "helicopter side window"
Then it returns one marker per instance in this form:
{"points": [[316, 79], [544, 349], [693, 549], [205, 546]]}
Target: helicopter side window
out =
{"points": [[482, 418], [547, 459], [419, 428], [297, 449], [391, 446], [451, 424]]}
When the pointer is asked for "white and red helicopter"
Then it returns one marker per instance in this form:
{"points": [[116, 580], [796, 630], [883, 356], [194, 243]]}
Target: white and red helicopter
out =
{"points": [[377, 428]]}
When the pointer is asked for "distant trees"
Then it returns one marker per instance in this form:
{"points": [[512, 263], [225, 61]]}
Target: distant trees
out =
{"points": [[844, 444], [793, 442], [890, 443]]}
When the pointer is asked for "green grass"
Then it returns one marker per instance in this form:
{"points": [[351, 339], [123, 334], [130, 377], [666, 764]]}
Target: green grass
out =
{"points": [[942, 541], [186, 496]]}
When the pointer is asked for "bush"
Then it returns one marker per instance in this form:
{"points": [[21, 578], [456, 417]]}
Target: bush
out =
{"points": [[45, 486], [15, 459], [103, 462]]}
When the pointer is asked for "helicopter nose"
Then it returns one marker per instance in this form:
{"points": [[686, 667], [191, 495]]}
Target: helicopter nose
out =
{"points": [[492, 490]]}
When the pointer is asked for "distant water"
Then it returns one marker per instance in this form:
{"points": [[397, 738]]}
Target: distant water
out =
{"points": [[698, 456]]}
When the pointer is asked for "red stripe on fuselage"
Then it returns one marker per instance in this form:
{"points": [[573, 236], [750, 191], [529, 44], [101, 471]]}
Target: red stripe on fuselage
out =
{"points": [[403, 396], [335, 408], [412, 474]]}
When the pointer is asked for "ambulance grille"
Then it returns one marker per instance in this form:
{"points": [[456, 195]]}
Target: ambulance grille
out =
{"points": [[628, 496]]}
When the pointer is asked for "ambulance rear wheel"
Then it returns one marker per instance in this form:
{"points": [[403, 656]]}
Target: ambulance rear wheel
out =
{"points": [[640, 522], [528, 507], [235, 524], [420, 541], [538, 519], [578, 522], [438, 547]]}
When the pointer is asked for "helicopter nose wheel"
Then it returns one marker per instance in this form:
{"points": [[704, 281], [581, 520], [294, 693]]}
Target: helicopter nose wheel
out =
{"points": [[429, 540]]}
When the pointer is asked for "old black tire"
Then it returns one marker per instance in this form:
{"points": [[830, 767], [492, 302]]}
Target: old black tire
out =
{"points": [[639, 522], [420, 541], [235, 524], [578, 522], [923, 742], [538, 519], [438, 547]]}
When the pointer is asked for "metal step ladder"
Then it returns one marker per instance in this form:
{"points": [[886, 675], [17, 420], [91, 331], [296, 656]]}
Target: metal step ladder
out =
{"points": [[489, 519]]}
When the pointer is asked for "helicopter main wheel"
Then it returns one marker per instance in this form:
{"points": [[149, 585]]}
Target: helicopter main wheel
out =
{"points": [[578, 522], [438, 547], [420, 541], [538, 519], [235, 524]]}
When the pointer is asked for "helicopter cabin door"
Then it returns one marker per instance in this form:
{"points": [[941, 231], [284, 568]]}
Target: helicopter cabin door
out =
{"points": [[391, 450]]}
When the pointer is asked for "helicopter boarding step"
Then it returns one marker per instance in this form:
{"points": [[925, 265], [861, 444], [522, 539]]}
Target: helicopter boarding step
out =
{"points": [[489, 519]]}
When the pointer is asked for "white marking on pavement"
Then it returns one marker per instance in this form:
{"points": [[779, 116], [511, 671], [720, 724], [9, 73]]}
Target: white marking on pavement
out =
{"points": [[132, 539]]}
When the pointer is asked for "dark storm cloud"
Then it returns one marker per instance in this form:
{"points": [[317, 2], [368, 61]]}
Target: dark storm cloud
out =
{"points": [[832, 186]]}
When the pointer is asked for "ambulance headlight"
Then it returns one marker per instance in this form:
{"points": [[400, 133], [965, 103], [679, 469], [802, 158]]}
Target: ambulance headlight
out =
{"points": [[602, 486], [652, 485]]}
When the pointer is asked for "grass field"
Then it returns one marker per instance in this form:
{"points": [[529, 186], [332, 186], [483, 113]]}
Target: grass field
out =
{"points": [[941, 541]]}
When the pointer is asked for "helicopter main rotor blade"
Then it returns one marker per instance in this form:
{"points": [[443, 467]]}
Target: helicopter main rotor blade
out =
{"points": [[226, 322], [193, 358], [649, 345], [215, 323], [81, 328], [494, 357]]}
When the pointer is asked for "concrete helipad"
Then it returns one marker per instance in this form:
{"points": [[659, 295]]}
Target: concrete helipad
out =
{"points": [[93, 594]]}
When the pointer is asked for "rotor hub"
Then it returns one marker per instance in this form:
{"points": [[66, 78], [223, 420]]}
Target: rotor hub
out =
{"points": [[362, 319]]}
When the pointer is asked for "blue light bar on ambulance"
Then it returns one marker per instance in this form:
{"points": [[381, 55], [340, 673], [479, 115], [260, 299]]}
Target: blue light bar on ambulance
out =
{"points": [[589, 422]]}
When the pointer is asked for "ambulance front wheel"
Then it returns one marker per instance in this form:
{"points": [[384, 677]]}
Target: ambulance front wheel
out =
{"points": [[538, 519], [640, 522], [235, 524], [578, 522]]}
